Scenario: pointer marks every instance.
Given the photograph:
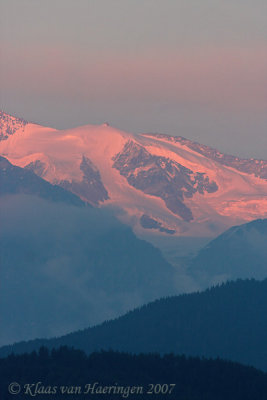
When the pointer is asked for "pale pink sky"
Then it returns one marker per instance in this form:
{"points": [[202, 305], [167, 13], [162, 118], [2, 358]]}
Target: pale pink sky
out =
{"points": [[172, 66], [228, 78]]}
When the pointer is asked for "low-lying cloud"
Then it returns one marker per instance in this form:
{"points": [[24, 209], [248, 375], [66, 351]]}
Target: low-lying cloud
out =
{"points": [[64, 268]]}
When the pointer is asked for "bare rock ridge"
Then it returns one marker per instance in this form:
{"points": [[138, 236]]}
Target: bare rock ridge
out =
{"points": [[37, 166], [162, 177], [10, 125], [91, 187]]}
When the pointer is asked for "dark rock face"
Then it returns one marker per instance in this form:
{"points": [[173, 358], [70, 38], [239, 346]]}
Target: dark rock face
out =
{"points": [[150, 223], [38, 167], [251, 166], [162, 177], [91, 187], [9, 125]]}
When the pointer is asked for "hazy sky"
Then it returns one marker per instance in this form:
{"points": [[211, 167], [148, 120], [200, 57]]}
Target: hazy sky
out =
{"points": [[184, 67]]}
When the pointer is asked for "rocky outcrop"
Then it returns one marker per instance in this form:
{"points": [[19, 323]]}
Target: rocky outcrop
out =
{"points": [[91, 188], [150, 223], [37, 166], [10, 125], [162, 177]]}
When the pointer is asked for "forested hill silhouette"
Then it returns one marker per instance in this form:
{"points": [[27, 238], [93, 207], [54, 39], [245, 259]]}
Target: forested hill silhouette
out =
{"points": [[67, 373], [228, 321]]}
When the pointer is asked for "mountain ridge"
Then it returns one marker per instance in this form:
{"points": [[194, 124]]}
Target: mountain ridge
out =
{"points": [[239, 252], [16, 180], [190, 189], [228, 321], [255, 166]]}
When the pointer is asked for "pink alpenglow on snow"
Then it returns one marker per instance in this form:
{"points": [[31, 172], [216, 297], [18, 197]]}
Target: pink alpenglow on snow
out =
{"points": [[184, 187]]}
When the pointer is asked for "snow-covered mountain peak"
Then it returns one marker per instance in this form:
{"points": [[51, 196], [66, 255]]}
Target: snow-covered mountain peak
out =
{"points": [[167, 184]]}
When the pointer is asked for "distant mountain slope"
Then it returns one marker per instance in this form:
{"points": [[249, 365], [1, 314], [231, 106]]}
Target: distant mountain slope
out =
{"points": [[65, 267], [229, 321], [141, 377], [16, 180], [240, 252], [185, 188]]}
